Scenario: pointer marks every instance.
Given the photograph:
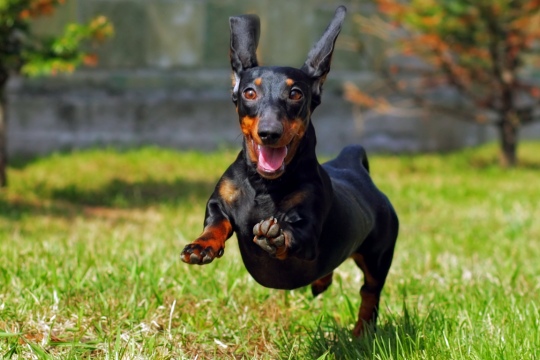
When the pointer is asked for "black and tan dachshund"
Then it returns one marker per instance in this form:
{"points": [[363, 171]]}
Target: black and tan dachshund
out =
{"points": [[296, 220]]}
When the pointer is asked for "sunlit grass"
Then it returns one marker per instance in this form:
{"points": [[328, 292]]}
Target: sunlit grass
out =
{"points": [[89, 264]]}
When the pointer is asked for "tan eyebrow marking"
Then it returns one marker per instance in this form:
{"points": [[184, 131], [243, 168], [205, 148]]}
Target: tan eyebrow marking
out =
{"points": [[290, 82], [258, 81]]}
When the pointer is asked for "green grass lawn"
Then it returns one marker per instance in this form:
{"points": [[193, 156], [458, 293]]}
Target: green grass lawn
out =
{"points": [[89, 265]]}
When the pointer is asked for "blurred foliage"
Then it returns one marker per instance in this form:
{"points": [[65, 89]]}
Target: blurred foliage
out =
{"points": [[478, 47], [478, 43], [25, 52]]}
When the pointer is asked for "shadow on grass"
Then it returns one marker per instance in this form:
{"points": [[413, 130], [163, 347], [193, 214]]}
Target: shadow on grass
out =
{"points": [[15, 208], [72, 200], [21, 162], [482, 163], [399, 337], [122, 194]]}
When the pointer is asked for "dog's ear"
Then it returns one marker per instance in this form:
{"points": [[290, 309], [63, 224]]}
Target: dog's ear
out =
{"points": [[319, 58], [245, 32]]}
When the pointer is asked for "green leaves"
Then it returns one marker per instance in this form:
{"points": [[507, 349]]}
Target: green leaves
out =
{"points": [[22, 51]]}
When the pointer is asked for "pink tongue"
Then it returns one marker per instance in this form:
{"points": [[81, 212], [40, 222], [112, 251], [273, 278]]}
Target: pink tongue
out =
{"points": [[270, 159]]}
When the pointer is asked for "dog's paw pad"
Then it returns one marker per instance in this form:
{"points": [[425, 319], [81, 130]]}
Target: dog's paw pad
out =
{"points": [[198, 254], [269, 236], [265, 244], [279, 241]]}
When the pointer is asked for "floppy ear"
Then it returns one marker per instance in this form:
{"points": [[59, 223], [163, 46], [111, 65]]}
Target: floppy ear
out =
{"points": [[245, 32], [319, 58]]}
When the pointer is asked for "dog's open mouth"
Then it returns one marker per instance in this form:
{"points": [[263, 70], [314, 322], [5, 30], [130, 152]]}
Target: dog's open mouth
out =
{"points": [[271, 160]]}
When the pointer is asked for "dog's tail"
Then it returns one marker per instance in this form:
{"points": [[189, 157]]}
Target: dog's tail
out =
{"points": [[351, 157]]}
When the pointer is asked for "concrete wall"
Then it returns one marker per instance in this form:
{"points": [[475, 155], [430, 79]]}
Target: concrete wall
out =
{"points": [[164, 79]]}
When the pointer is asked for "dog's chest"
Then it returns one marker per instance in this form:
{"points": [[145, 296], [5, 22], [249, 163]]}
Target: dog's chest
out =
{"points": [[254, 208]]}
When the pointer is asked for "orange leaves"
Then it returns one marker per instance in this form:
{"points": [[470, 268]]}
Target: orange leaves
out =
{"points": [[434, 41], [40, 7], [356, 96], [90, 60], [532, 5], [38, 55], [101, 28], [61, 67], [391, 7]]}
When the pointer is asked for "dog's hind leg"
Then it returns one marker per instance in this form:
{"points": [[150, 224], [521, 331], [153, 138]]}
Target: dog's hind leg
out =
{"points": [[374, 258], [370, 293], [375, 269], [319, 286]]}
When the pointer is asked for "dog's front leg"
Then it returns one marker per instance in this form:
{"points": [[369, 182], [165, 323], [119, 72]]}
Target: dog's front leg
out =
{"points": [[294, 230], [283, 239], [211, 243]]}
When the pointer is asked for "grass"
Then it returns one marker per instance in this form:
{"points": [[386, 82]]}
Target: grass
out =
{"points": [[89, 265]]}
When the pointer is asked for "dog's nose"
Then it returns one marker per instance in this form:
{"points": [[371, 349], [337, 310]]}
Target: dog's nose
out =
{"points": [[270, 132]]}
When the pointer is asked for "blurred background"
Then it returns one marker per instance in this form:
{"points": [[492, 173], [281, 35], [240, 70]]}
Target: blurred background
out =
{"points": [[90, 240], [164, 79]]}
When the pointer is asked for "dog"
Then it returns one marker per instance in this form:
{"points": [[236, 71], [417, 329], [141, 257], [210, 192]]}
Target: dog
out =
{"points": [[295, 219]]}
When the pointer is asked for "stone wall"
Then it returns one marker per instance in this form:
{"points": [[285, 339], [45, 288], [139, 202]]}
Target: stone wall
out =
{"points": [[164, 79]]}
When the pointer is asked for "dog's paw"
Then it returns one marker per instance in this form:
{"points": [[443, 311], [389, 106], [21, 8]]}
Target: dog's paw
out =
{"points": [[271, 238], [200, 253]]}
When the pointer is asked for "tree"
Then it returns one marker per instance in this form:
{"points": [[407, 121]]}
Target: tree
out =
{"points": [[22, 52], [480, 48]]}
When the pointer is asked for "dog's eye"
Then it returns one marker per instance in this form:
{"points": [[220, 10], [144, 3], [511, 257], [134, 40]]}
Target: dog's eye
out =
{"points": [[295, 95], [250, 94]]}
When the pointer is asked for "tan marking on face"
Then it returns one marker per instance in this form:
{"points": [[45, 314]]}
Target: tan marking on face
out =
{"points": [[295, 131], [290, 82], [228, 191], [293, 200], [233, 79], [247, 124], [249, 127], [258, 81]]}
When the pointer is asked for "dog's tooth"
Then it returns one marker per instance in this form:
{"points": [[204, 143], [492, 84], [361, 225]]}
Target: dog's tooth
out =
{"points": [[273, 231], [279, 241]]}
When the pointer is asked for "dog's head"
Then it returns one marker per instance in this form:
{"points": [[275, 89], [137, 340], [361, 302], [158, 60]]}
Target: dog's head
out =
{"points": [[274, 104]]}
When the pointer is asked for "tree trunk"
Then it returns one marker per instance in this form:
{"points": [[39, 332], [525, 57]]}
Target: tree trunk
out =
{"points": [[508, 131], [3, 137]]}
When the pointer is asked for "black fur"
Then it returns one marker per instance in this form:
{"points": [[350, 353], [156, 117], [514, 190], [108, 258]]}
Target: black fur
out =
{"points": [[327, 212]]}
